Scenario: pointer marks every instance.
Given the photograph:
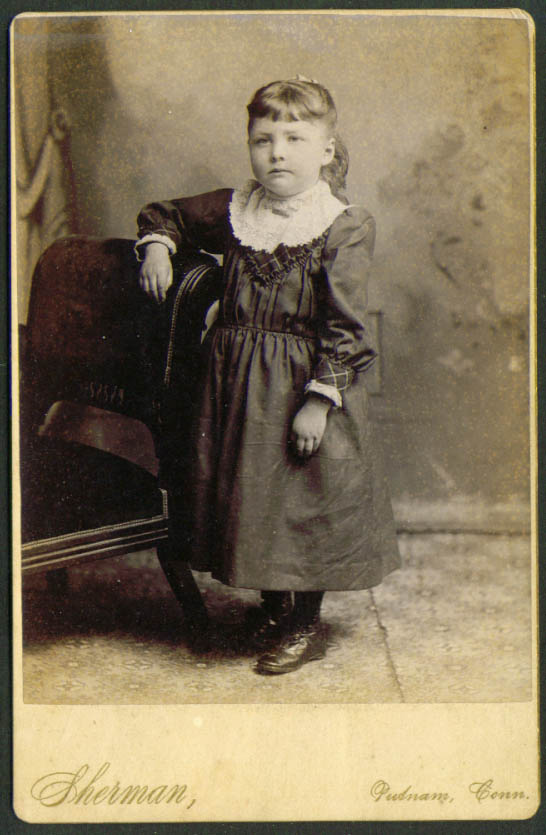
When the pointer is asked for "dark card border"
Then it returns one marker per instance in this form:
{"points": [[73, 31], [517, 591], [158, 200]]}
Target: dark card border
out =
{"points": [[8, 821]]}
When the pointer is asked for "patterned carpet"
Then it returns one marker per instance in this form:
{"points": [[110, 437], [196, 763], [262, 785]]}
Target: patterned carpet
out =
{"points": [[454, 625]]}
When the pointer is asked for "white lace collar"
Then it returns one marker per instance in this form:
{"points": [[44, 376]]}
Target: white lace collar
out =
{"points": [[262, 221]]}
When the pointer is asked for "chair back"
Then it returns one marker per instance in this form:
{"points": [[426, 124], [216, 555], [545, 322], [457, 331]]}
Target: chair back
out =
{"points": [[94, 337], [88, 336]]}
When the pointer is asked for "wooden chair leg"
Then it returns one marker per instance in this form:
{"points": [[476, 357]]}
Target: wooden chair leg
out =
{"points": [[185, 589]]}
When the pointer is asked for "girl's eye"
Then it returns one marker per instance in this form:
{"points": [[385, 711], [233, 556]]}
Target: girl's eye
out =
{"points": [[261, 140], [295, 139]]}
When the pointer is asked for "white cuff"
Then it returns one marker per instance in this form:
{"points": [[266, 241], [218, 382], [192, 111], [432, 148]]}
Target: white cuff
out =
{"points": [[154, 238], [331, 392]]}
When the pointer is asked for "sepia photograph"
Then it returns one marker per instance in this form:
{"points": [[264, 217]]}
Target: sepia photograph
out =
{"points": [[274, 424]]}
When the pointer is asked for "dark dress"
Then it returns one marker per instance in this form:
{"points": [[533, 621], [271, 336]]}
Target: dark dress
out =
{"points": [[251, 511]]}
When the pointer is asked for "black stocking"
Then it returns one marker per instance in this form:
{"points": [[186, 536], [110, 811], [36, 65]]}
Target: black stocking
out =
{"points": [[276, 603], [307, 607]]}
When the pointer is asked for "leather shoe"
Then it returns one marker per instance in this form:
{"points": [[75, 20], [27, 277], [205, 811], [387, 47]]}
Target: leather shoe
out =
{"points": [[295, 650]]}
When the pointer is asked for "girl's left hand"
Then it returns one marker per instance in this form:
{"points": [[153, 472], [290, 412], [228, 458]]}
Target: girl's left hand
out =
{"points": [[309, 424]]}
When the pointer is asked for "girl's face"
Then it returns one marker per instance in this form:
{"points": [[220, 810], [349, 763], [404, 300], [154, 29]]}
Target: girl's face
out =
{"points": [[286, 157]]}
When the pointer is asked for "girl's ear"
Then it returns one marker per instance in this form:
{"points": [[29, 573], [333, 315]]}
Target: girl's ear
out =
{"points": [[329, 151]]}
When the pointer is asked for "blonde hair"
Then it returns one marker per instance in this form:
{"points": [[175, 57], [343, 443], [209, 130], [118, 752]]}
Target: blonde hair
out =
{"points": [[302, 99]]}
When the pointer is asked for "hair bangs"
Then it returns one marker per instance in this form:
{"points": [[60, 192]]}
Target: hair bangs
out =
{"points": [[293, 101], [283, 111]]}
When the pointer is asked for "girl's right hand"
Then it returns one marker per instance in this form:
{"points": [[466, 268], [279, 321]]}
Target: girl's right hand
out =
{"points": [[309, 425], [156, 273]]}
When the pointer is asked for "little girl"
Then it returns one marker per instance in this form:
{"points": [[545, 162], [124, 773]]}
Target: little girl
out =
{"points": [[284, 492]]}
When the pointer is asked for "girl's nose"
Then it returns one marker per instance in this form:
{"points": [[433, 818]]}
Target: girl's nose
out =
{"points": [[277, 151]]}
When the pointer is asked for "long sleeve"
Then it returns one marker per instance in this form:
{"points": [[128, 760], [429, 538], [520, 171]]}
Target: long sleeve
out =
{"points": [[343, 346], [199, 222]]}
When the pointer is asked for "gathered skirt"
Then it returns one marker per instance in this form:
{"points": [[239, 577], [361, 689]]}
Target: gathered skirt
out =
{"points": [[245, 507]]}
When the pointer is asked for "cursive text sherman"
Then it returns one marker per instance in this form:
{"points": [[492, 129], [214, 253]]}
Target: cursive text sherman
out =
{"points": [[78, 788]]}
